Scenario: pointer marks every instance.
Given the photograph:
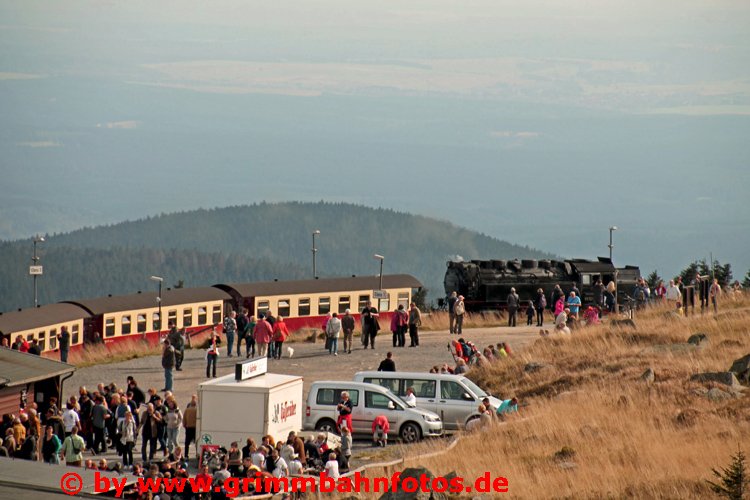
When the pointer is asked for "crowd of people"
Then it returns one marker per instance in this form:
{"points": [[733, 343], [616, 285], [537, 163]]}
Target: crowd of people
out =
{"points": [[126, 419]]}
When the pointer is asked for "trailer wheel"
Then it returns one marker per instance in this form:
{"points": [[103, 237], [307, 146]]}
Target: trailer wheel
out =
{"points": [[410, 433], [326, 425]]}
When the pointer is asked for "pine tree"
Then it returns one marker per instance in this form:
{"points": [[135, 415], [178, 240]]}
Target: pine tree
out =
{"points": [[653, 279], [689, 272], [746, 281], [733, 479]]}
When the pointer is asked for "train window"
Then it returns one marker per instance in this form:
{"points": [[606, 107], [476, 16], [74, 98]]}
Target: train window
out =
{"points": [[53, 339], [324, 305], [363, 299], [586, 279], [202, 315], [75, 335], [29, 337], [42, 343], [142, 323], [283, 308], [172, 318], [156, 321], [126, 325], [403, 300], [385, 304], [109, 327], [303, 307], [343, 304], [263, 307], [187, 317], [216, 315]]}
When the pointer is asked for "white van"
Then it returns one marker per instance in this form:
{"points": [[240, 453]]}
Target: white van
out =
{"points": [[454, 397], [368, 401]]}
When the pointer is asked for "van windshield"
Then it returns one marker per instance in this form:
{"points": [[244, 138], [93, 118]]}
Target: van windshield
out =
{"points": [[474, 388]]}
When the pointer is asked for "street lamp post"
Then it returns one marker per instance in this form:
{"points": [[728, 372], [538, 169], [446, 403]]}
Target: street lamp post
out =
{"points": [[159, 280], [381, 259], [315, 252], [612, 229], [36, 269]]}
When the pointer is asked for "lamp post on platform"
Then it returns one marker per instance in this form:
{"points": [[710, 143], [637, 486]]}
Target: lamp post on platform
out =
{"points": [[35, 269], [159, 280], [381, 259], [315, 253], [612, 229]]}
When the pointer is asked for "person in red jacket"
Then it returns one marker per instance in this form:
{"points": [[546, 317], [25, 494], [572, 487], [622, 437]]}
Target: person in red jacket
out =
{"points": [[263, 332], [380, 428], [280, 334]]}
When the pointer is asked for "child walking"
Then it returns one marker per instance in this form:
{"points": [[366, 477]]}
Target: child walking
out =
{"points": [[530, 312]]}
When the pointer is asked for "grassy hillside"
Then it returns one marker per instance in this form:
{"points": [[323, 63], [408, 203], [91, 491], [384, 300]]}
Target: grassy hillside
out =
{"points": [[243, 243], [625, 437]]}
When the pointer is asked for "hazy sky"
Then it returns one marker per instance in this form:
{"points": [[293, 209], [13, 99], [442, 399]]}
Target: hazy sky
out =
{"points": [[538, 122]]}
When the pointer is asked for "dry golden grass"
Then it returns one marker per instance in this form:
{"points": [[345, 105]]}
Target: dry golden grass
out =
{"points": [[631, 439], [113, 353], [439, 320]]}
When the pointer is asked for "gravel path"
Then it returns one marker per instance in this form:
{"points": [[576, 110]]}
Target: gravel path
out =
{"points": [[310, 361]]}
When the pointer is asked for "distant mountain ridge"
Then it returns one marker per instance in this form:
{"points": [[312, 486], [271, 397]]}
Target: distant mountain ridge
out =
{"points": [[243, 243]]}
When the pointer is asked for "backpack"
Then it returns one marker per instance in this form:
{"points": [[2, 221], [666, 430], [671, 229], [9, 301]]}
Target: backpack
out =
{"points": [[542, 302]]}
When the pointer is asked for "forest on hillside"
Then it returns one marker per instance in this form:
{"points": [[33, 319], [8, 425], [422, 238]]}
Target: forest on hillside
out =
{"points": [[243, 243]]}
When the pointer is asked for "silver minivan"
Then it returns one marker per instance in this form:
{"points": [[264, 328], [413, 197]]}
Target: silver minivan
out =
{"points": [[454, 397], [368, 401]]}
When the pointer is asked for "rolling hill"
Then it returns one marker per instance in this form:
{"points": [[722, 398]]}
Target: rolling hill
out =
{"points": [[242, 243]]}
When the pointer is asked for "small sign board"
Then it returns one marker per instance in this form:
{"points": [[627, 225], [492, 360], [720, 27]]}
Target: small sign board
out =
{"points": [[36, 270], [250, 368], [379, 294]]}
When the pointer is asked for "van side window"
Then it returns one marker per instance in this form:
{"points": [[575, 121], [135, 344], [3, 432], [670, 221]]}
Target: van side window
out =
{"points": [[451, 390], [422, 388], [333, 396], [376, 400], [389, 383]]}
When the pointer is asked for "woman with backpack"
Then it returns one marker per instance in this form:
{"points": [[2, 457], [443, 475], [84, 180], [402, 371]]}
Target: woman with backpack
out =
{"points": [[541, 305]]}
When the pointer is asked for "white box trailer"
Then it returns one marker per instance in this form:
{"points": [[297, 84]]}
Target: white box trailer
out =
{"points": [[231, 410]]}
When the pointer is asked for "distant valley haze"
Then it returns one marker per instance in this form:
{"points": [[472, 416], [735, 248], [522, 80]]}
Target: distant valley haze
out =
{"points": [[541, 122]]}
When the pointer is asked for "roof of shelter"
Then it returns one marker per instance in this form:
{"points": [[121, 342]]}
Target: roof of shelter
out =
{"points": [[18, 368]]}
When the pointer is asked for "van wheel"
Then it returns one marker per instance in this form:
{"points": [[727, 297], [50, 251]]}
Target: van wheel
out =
{"points": [[471, 419], [326, 425], [410, 433]]}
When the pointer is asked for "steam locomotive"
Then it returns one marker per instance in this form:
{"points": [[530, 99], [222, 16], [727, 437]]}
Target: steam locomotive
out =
{"points": [[485, 284]]}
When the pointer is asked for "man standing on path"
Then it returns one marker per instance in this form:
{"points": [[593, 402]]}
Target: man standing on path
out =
{"points": [[99, 416], [178, 343], [574, 304], [347, 325], [387, 365], [168, 363], [370, 324], [63, 339], [459, 309], [513, 303], [451, 311], [230, 328], [415, 321], [243, 327]]}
